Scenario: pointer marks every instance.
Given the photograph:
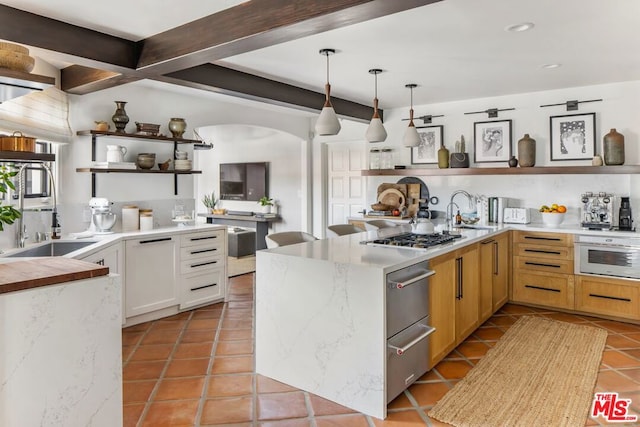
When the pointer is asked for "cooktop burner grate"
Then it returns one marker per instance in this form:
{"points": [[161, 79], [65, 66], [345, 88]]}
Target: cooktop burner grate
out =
{"points": [[417, 241]]}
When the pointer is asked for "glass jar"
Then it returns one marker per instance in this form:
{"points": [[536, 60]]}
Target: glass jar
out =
{"points": [[386, 157], [374, 159]]}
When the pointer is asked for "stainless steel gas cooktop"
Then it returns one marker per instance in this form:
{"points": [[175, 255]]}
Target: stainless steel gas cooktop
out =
{"points": [[414, 241]]}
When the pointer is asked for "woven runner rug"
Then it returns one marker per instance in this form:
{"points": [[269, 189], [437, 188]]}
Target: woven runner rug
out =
{"points": [[542, 372]]}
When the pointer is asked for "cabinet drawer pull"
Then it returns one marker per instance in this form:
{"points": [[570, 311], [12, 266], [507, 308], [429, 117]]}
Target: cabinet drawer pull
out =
{"points": [[496, 265], [404, 283], [542, 288], [204, 287], [459, 277], [203, 263], [202, 251], [166, 239], [195, 239], [541, 264], [552, 239], [609, 297], [100, 261], [401, 350], [542, 251], [486, 242]]}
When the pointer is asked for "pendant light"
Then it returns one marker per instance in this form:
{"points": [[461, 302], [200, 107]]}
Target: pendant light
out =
{"points": [[375, 131], [411, 137], [327, 123]]}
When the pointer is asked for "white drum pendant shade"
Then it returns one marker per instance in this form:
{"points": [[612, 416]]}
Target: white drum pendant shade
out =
{"points": [[376, 131], [327, 123]]}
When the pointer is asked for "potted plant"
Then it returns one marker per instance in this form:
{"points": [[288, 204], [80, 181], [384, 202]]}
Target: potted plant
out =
{"points": [[8, 214], [266, 204], [210, 201]]}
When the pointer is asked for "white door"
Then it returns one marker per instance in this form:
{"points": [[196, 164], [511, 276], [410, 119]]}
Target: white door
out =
{"points": [[347, 188]]}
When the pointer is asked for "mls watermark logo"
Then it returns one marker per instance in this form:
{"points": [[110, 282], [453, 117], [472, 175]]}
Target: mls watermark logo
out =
{"points": [[612, 408]]}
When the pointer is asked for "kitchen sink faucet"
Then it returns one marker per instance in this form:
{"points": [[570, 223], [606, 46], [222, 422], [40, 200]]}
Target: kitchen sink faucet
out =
{"points": [[21, 235], [451, 203]]}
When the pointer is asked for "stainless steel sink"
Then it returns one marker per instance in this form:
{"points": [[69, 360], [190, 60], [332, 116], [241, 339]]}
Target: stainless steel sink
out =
{"points": [[53, 248]]}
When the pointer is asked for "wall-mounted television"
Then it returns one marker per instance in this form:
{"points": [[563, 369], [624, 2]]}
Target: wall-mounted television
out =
{"points": [[244, 181]]}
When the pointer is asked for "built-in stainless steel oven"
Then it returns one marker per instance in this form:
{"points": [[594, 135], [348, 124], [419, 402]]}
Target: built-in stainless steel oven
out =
{"points": [[408, 326], [607, 256]]}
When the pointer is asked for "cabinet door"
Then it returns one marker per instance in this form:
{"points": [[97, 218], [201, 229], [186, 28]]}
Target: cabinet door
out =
{"points": [[110, 256], [545, 289], [468, 283], [500, 293], [608, 296], [442, 307], [151, 274], [487, 276]]}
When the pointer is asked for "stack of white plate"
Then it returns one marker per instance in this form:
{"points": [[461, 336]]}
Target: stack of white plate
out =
{"points": [[182, 165]]}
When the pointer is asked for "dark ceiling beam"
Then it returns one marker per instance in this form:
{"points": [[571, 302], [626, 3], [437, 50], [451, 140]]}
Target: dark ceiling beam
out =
{"points": [[81, 80], [257, 24], [50, 34], [231, 82]]}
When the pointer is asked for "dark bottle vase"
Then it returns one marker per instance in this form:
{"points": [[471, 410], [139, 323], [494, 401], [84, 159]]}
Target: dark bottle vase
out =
{"points": [[527, 151], [613, 148], [120, 118], [443, 157], [513, 162]]}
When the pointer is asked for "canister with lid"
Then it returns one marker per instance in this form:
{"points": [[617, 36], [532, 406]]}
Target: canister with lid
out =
{"points": [[146, 219], [130, 218]]}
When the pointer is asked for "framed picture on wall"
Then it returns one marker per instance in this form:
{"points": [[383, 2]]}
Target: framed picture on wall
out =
{"points": [[492, 141], [573, 136], [430, 141]]}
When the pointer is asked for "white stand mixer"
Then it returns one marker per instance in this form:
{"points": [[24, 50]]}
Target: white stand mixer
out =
{"points": [[102, 219]]}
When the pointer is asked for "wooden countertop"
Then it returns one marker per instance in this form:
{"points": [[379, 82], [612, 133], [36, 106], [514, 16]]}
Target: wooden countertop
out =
{"points": [[33, 273]]}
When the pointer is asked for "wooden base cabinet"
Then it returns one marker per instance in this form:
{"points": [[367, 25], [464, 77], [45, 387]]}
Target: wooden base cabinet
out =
{"points": [[543, 269], [608, 296], [495, 270], [453, 299]]}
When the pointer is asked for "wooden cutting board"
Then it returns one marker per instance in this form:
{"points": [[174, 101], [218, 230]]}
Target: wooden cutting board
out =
{"points": [[400, 187], [413, 194]]}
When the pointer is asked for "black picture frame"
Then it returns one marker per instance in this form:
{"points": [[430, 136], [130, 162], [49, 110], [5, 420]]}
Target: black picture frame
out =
{"points": [[431, 140], [492, 141], [572, 137]]}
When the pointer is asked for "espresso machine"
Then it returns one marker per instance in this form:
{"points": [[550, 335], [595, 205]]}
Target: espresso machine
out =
{"points": [[599, 211]]}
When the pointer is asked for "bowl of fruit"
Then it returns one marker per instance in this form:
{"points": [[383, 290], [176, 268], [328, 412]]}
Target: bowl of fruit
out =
{"points": [[553, 215]]}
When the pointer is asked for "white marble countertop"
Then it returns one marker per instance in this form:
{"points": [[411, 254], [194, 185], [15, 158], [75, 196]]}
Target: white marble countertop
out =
{"points": [[349, 250], [104, 240]]}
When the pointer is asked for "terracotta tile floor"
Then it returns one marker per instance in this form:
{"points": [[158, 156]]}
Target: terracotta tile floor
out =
{"points": [[197, 369]]}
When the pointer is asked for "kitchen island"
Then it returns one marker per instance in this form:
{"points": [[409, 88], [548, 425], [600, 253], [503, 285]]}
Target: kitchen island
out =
{"points": [[321, 315], [60, 341]]}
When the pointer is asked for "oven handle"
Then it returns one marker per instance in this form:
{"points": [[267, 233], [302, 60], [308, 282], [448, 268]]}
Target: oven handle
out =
{"points": [[405, 283], [605, 246], [401, 350]]}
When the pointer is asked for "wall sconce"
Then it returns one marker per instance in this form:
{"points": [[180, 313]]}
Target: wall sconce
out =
{"points": [[411, 137], [327, 123], [376, 131]]}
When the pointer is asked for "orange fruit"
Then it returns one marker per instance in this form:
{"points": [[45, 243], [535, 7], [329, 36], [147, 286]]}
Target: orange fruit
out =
{"points": [[562, 208]]}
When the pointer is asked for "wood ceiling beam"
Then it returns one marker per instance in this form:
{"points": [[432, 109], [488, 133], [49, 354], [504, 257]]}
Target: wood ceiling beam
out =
{"points": [[224, 80], [50, 34], [81, 80], [257, 24]]}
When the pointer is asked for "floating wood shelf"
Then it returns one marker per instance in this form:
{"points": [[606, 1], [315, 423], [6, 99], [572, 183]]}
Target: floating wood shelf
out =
{"points": [[26, 156], [105, 170], [541, 170], [138, 136]]}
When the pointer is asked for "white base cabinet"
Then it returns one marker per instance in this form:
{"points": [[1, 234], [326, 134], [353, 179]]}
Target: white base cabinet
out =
{"points": [[202, 278], [150, 274]]}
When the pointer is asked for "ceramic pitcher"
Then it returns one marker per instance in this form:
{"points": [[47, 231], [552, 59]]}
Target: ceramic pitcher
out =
{"points": [[115, 153]]}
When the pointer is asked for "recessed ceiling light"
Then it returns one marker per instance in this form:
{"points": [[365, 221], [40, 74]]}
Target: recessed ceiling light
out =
{"points": [[518, 28], [551, 66]]}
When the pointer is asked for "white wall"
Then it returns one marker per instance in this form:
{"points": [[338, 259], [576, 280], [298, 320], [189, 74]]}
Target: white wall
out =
{"points": [[620, 109], [286, 155]]}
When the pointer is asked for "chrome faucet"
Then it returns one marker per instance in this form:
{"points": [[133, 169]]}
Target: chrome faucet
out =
{"points": [[22, 235], [451, 203]]}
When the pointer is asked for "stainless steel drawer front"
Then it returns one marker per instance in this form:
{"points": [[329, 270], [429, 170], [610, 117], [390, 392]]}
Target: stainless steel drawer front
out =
{"points": [[407, 297]]}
